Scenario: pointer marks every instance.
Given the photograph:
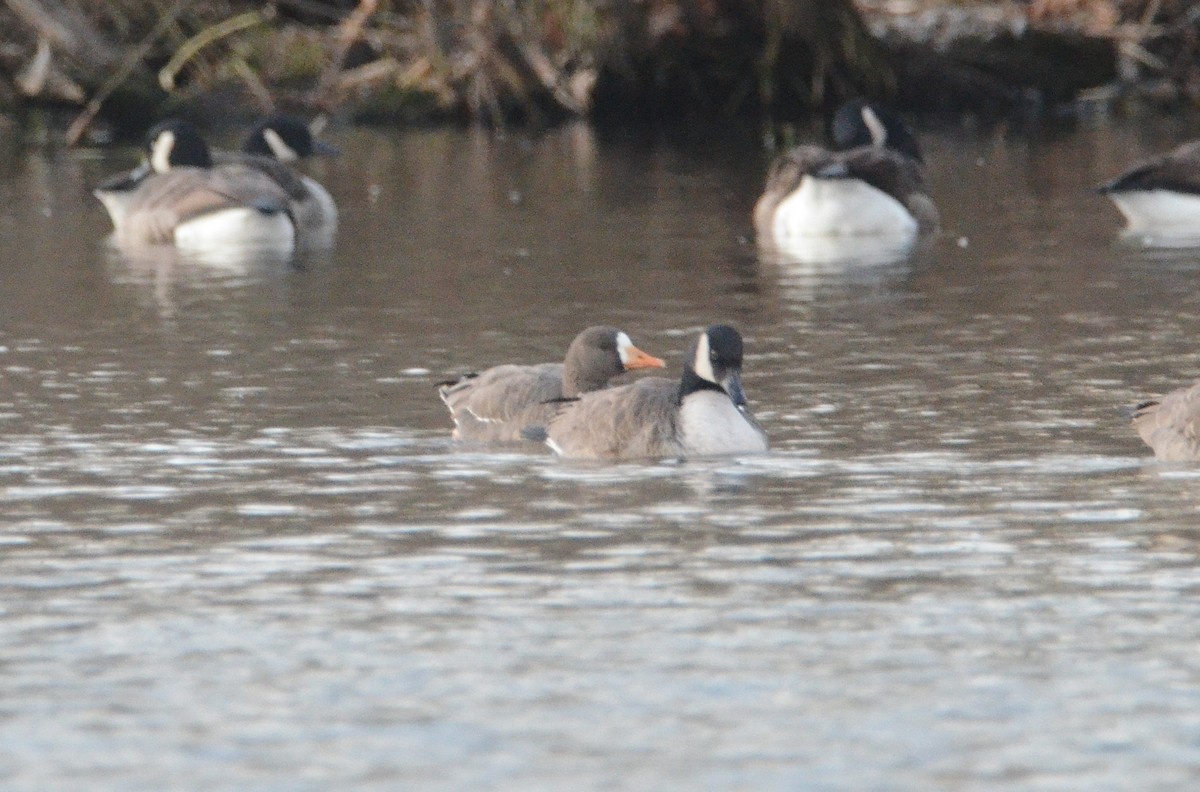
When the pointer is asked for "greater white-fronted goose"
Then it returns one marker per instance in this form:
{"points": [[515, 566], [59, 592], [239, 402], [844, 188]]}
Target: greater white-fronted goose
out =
{"points": [[494, 405], [1160, 198], [870, 188], [1171, 425], [701, 414]]}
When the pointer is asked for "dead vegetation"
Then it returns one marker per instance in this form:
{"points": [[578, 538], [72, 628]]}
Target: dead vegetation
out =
{"points": [[130, 61]]}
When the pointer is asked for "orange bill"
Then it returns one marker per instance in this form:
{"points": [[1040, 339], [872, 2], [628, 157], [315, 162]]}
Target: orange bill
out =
{"points": [[637, 359]]}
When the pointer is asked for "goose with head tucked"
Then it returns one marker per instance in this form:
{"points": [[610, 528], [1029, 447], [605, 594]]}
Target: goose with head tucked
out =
{"points": [[177, 196], [494, 405], [1171, 425], [869, 189], [1160, 198], [274, 146], [701, 414]]}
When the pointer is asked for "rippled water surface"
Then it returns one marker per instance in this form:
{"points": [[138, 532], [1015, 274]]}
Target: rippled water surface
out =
{"points": [[238, 550]]}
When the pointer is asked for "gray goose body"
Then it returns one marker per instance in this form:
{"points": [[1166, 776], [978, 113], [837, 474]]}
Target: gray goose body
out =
{"points": [[179, 197], [870, 185], [1171, 425], [496, 404], [1161, 197], [701, 414], [865, 169], [165, 204]]}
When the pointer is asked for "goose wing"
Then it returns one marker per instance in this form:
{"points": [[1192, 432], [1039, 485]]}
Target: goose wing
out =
{"points": [[1178, 171], [896, 174], [496, 404], [164, 201], [632, 421], [291, 181], [1171, 425]]}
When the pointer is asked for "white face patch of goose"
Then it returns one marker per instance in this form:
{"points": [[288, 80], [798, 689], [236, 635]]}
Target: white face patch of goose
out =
{"points": [[703, 363], [623, 345], [160, 151], [875, 127], [282, 151]]}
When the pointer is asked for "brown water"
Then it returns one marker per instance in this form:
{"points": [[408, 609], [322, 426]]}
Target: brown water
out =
{"points": [[239, 551]]}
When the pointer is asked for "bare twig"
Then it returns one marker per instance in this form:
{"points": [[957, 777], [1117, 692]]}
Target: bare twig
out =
{"points": [[539, 63], [33, 78], [348, 32], [376, 72], [254, 84], [66, 30], [190, 48]]}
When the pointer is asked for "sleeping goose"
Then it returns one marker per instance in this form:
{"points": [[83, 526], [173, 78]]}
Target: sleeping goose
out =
{"points": [[494, 405], [273, 146], [867, 192], [1160, 198], [177, 196], [701, 414], [1171, 425]]}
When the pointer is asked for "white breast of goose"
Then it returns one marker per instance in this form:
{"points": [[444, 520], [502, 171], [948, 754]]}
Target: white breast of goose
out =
{"points": [[709, 424], [1161, 211], [841, 207], [238, 229]]}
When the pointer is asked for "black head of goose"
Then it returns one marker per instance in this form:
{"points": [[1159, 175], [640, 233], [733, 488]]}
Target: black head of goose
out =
{"points": [[170, 144], [870, 185], [1160, 198], [286, 139], [1171, 425], [179, 196], [858, 123], [703, 413], [494, 405]]}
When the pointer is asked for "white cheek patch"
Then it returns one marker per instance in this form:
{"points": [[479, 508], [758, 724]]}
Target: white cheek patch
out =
{"points": [[623, 345], [160, 152], [702, 364], [875, 127], [282, 151]]}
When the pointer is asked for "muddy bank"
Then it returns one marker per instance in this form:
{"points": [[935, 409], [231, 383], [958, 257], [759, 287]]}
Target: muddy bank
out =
{"points": [[114, 67]]}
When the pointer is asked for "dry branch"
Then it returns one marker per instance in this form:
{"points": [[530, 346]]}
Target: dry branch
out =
{"points": [[128, 64], [67, 31], [211, 34], [349, 32]]}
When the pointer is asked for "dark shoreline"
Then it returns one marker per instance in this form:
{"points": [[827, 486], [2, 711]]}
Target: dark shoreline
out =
{"points": [[92, 73]]}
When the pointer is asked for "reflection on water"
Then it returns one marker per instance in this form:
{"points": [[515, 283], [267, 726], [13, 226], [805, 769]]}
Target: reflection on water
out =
{"points": [[1187, 243], [834, 254], [239, 546], [164, 271]]}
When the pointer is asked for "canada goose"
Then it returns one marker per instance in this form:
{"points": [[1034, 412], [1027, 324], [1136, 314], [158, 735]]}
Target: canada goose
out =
{"points": [[495, 404], [701, 414], [1171, 425], [286, 139], [273, 146], [1160, 198], [869, 187], [178, 197]]}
